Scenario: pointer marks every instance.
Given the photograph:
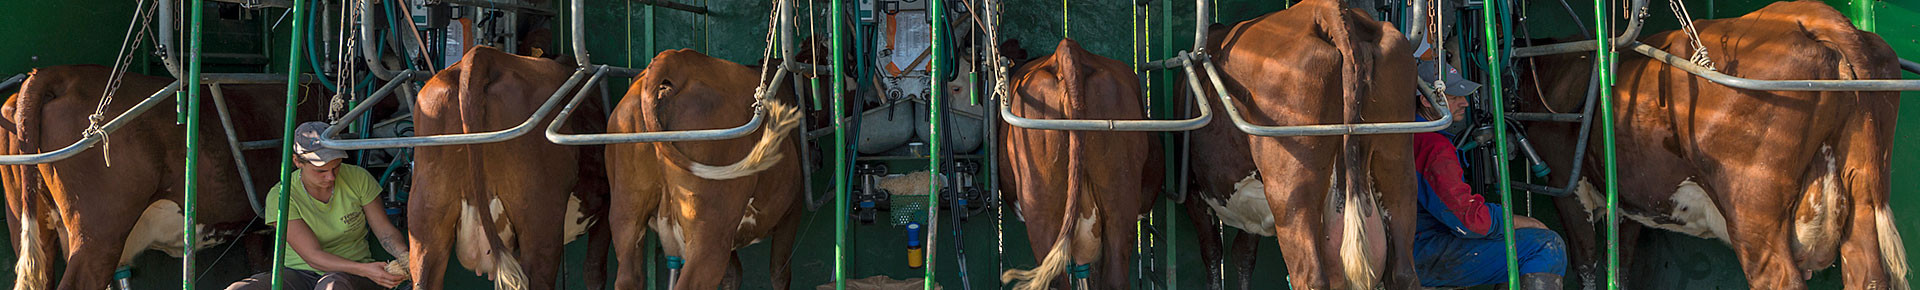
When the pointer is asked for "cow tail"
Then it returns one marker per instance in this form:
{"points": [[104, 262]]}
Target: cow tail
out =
{"points": [[507, 273], [1059, 257], [34, 264], [783, 118], [1891, 251], [1357, 74]]}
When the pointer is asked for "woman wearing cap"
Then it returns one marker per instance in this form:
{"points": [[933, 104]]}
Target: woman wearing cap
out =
{"points": [[328, 217], [1457, 241]]}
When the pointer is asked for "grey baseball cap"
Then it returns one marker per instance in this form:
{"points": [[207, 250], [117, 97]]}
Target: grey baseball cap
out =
{"points": [[1456, 85], [306, 144]]}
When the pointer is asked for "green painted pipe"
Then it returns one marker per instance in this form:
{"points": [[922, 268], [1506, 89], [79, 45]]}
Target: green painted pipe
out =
{"points": [[1489, 17], [1863, 17], [193, 144], [840, 189], [1603, 65], [935, 103], [286, 140], [1173, 228]]}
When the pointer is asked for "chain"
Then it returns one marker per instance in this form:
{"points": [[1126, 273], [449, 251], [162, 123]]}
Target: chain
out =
{"points": [[766, 56], [1693, 35], [136, 33], [350, 13]]}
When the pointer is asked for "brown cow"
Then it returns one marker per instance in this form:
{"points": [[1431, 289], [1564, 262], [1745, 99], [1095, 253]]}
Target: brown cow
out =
{"points": [[105, 215], [1316, 194], [539, 195], [703, 212], [1078, 187], [1791, 180]]}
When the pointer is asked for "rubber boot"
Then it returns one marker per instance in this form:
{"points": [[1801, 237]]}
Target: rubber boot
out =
{"points": [[1540, 281]]}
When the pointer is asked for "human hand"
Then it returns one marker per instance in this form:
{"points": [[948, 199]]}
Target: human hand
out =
{"points": [[377, 271], [1521, 222]]}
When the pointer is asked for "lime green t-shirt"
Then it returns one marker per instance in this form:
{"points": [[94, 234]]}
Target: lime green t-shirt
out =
{"points": [[339, 224]]}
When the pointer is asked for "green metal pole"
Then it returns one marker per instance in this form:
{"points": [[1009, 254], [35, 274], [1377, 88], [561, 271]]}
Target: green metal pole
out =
{"points": [[1603, 65], [286, 140], [193, 144], [935, 104], [841, 161], [1863, 14], [1488, 14]]}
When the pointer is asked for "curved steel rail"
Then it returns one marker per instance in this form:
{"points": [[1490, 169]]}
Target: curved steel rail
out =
{"points": [[1199, 96], [1639, 12], [580, 51], [1181, 59], [90, 140], [1226, 100], [1774, 85], [326, 139]]}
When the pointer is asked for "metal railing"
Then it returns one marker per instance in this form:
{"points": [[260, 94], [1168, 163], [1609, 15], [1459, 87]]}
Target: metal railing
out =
{"points": [[1185, 60], [90, 140], [327, 138], [765, 90], [1773, 85], [1439, 106], [1639, 13]]}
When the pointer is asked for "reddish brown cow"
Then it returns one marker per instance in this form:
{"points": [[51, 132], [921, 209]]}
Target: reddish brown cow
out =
{"points": [[1310, 191], [703, 212], [506, 203], [1080, 191], [102, 216], [1791, 180]]}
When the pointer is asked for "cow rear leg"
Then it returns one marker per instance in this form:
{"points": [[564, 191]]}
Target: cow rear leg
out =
{"points": [[1299, 222], [628, 231], [94, 257], [783, 240], [430, 240], [708, 251], [1246, 245], [732, 280], [1203, 226], [598, 239], [1582, 239]]}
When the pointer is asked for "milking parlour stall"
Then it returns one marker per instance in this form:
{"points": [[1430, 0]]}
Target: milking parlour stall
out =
{"points": [[965, 144]]}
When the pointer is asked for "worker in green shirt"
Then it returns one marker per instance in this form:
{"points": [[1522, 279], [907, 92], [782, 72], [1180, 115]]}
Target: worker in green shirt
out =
{"points": [[331, 207]]}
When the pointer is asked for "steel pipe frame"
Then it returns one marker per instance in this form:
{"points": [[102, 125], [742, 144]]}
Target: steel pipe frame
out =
{"points": [[1182, 59], [233, 143], [1585, 119], [370, 52], [251, 78], [1773, 85], [1439, 101], [1206, 114], [89, 141], [1909, 66], [1626, 38], [12, 81], [702, 10], [582, 56], [327, 139]]}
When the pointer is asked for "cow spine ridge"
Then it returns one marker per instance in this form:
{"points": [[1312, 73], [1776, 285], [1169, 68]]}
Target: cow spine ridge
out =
{"points": [[765, 154]]}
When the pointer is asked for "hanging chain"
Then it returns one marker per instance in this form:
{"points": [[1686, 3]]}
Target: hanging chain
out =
{"points": [[766, 56], [344, 82], [136, 34], [1693, 35]]}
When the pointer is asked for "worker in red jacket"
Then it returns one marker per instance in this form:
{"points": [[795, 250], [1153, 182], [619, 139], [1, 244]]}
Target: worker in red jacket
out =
{"points": [[1458, 241]]}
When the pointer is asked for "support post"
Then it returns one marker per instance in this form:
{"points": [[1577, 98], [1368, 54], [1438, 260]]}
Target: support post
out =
{"points": [[1603, 67], [1489, 14], [193, 144], [286, 139], [841, 160], [936, 105]]}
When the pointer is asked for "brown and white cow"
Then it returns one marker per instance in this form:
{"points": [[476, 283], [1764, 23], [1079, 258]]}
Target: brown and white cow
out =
{"points": [[507, 204], [705, 198], [103, 216], [1079, 191], [1791, 180], [1322, 197]]}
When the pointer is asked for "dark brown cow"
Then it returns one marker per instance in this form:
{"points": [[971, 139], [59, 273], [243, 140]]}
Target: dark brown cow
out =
{"points": [[703, 212], [507, 203], [105, 215], [1316, 194], [1079, 191], [1791, 180]]}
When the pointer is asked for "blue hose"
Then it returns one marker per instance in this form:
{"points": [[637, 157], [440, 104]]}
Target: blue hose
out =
{"points": [[311, 58]]}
